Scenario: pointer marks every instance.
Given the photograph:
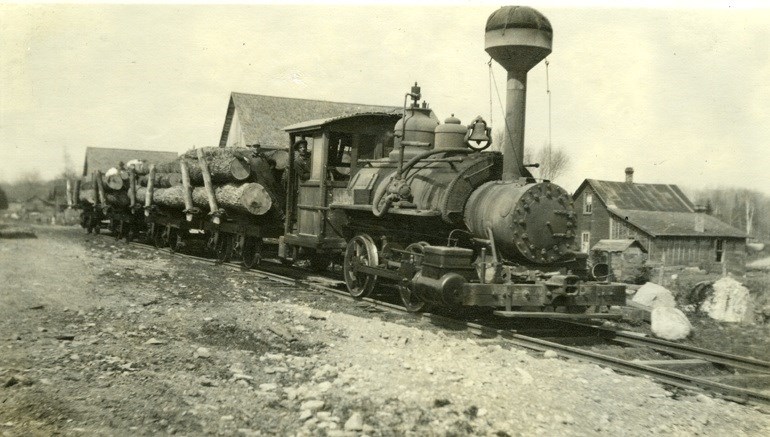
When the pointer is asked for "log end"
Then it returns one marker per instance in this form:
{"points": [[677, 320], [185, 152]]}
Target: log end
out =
{"points": [[240, 169], [256, 199], [114, 182]]}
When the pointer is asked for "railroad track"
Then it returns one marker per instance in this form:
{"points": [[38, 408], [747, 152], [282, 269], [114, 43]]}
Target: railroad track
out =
{"points": [[659, 370]]}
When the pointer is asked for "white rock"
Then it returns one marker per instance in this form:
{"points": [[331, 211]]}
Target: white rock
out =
{"points": [[550, 354], [669, 323], [355, 422], [730, 302], [654, 296], [312, 405], [202, 352]]}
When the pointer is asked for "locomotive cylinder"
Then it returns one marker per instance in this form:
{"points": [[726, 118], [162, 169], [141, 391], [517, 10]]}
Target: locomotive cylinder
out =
{"points": [[533, 223]]}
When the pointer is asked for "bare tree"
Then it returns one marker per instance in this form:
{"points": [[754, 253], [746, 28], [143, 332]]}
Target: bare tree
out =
{"points": [[553, 161], [69, 166], [3, 199]]}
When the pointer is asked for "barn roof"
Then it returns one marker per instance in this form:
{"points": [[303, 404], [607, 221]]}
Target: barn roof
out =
{"points": [[102, 158], [677, 224], [262, 118], [616, 245], [647, 197]]}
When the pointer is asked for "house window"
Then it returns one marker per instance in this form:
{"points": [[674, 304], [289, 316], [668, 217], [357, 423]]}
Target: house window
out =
{"points": [[719, 249], [588, 204], [585, 242]]}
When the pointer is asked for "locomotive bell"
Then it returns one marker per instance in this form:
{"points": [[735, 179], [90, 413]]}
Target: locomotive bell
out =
{"points": [[478, 133], [518, 38]]}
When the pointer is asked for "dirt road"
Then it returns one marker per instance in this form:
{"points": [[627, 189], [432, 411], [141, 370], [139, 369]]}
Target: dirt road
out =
{"points": [[100, 338]]}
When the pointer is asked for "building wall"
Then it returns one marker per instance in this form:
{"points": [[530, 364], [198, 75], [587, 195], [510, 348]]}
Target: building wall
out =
{"points": [[701, 252], [235, 134], [621, 230], [687, 251], [597, 223]]}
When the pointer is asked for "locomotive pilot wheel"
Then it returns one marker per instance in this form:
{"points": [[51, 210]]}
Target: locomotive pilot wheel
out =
{"points": [[361, 250]]}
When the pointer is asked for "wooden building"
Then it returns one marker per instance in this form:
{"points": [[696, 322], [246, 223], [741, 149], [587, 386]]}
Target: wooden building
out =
{"points": [[662, 219], [626, 259], [257, 119]]}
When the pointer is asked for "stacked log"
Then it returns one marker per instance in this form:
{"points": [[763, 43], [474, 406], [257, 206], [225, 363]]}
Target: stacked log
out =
{"points": [[162, 180], [248, 198], [226, 165], [111, 198], [234, 181]]}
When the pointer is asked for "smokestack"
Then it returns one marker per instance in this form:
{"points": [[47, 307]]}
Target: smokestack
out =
{"points": [[700, 222], [629, 175], [518, 38]]}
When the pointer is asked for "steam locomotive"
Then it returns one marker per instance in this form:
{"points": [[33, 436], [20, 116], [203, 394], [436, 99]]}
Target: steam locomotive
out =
{"points": [[424, 205]]}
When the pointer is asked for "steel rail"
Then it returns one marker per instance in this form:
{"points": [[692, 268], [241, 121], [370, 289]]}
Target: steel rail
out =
{"points": [[669, 377], [716, 357]]}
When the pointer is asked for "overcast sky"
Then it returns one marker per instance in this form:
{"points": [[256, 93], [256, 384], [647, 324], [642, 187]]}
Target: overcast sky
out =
{"points": [[681, 94]]}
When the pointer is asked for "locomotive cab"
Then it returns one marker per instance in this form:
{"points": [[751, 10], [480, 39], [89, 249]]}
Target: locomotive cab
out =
{"points": [[338, 147]]}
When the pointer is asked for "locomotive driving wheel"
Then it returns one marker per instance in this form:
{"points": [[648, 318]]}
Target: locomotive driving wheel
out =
{"points": [[361, 250], [251, 252], [412, 302]]}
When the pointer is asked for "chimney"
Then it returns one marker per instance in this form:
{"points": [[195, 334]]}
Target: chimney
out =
{"points": [[700, 222], [629, 175]]}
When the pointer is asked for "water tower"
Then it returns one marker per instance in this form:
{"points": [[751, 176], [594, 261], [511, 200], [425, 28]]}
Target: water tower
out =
{"points": [[518, 38]]}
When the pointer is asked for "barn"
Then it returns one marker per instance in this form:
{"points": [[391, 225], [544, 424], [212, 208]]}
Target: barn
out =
{"points": [[662, 219], [258, 119]]}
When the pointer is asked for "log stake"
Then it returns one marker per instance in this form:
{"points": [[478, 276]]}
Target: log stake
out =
{"points": [[190, 210], [131, 189], [213, 207], [150, 189], [100, 189]]}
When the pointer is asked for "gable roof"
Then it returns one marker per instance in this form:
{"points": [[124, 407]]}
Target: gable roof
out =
{"points": [[103, 158], [616, 245], [677, 224], [657, 209], [262, 118], [647, 197]]}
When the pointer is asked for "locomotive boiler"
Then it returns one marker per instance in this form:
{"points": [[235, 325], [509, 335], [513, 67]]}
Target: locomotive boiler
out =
{"points": [[451, 223]]}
